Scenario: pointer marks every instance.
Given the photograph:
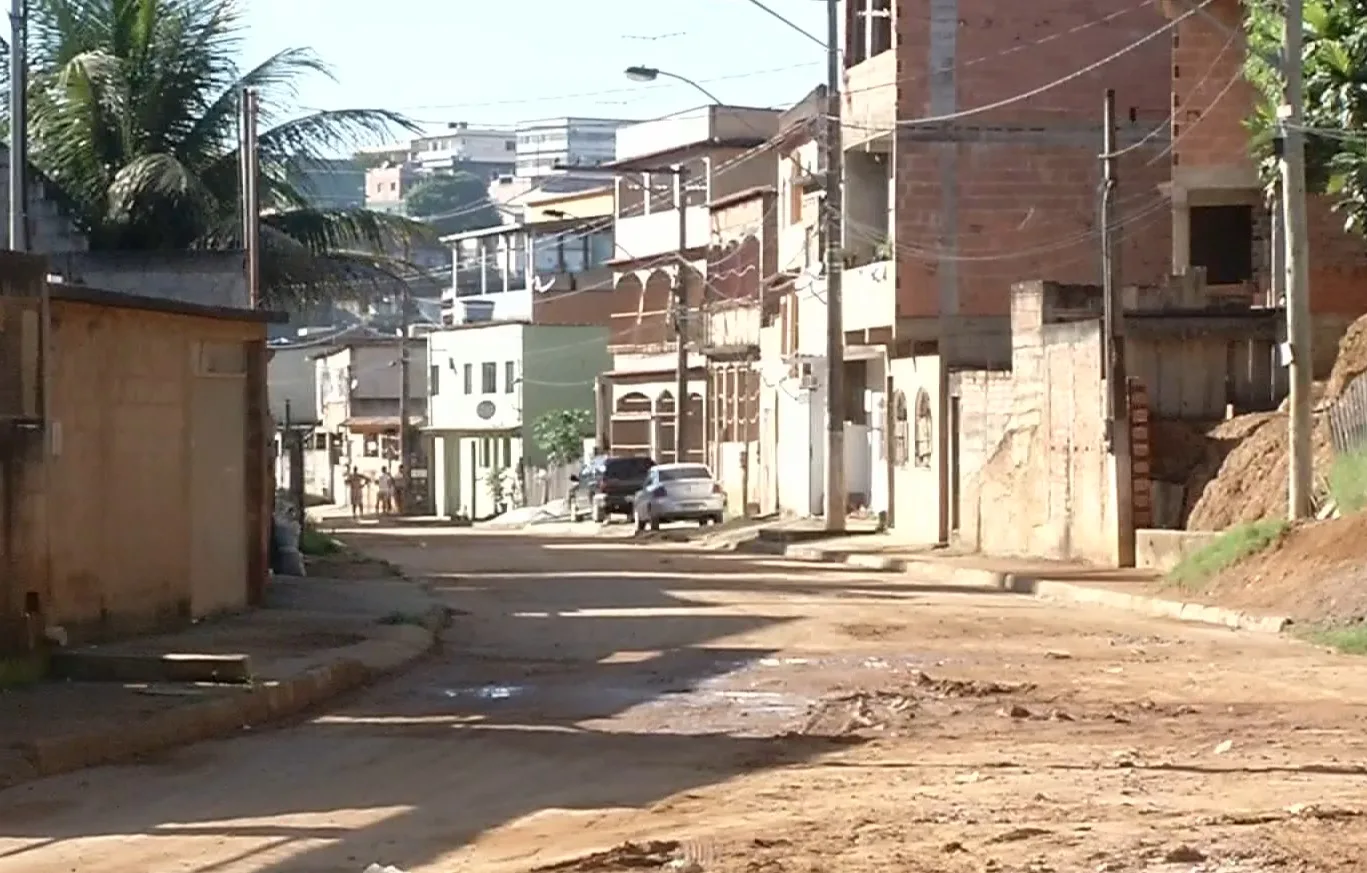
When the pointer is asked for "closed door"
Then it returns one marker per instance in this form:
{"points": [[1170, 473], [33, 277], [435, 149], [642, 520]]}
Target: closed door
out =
{"points": [[218, 495]]}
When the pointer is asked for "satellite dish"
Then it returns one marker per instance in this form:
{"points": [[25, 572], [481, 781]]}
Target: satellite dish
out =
{"points": [[485, 410]]}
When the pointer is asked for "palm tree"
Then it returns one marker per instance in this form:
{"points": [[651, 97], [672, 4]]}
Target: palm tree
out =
{"points": [[134, 118]]}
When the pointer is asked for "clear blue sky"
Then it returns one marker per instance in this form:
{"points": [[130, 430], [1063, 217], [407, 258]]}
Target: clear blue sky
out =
{"points": [[503, 61]]}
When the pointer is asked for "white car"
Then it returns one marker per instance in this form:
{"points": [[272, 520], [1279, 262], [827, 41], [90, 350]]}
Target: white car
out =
{"points": [[679, 492]]}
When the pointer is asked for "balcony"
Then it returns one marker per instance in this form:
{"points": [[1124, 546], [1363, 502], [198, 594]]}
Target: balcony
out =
{"points": [[731, 329], [869, 296], [869, 115], [646, 236]]}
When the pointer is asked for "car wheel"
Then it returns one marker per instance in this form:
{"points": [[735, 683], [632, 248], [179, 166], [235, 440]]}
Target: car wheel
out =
{"points": [[654, 521], [716, 519], [702, 522]]}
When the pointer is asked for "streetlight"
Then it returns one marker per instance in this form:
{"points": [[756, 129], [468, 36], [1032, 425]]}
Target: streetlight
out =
{"points": [[650, 74]]}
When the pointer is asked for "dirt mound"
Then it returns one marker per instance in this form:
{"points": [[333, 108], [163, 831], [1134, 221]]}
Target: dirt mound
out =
{"points": [[628, 856], [1245, 474], [890, 711], [1316, 573], [1351, 361]]}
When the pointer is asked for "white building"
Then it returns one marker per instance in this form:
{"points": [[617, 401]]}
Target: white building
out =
{"points": [[488, 384], [573, 142]]}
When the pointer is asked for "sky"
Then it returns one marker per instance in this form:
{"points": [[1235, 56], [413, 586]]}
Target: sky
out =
{"points": [[498, 62]]}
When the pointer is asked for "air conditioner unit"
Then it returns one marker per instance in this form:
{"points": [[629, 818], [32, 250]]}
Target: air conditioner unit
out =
{"points": [[808, 382]]}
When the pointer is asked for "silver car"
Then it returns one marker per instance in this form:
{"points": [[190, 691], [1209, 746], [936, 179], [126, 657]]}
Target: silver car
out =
{"points": [[679, 492]]}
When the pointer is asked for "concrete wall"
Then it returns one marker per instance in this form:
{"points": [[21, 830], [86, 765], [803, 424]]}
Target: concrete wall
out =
{"points": [[207, 278], [917, 478], [292, 384], [142, 517], [1043, 489]]}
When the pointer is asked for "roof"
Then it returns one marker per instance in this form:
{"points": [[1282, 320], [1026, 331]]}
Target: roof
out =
{"points": [[742, 196], [655, 160], [496, 230], [376, 422], [121, 300]]}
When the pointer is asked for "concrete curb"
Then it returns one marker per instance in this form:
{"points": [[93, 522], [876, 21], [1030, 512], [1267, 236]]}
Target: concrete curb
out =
{"points": [[387, 649], [1044, 589]]}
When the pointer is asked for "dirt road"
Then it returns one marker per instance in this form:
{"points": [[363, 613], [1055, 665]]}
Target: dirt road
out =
{"points": [[767, 718]]}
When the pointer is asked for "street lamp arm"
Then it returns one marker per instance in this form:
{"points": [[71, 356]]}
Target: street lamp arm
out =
{"points": [[696, 87], [650, 74]]}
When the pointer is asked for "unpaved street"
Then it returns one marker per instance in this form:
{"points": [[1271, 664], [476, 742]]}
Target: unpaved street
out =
{"points": [[767, 717]]}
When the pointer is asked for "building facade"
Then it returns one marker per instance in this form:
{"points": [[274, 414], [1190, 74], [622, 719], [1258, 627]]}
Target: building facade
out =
{"points": [[564, 142], [358, 410], [552, 267], [488, 385], [719, 148]]}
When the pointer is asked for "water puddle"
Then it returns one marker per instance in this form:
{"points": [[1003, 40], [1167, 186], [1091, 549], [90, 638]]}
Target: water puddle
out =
{"points": [[487, 692]]}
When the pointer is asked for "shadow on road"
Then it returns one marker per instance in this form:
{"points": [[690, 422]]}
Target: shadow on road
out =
{"points": [[554, 638]]}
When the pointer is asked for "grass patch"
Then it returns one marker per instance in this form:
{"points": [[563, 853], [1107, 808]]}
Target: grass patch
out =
{"points": [[1348, 481], [1349, 639], [315, 543], [20, 671], [1234, 545]]}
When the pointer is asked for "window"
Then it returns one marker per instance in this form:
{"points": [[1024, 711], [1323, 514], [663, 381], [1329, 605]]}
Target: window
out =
{"points": [[488, 377], [469, 378], [924, 430], [434, 379], [510, 146], [509, 377], [1222, 242], [486, 449], [794, 191], [900, 429]]}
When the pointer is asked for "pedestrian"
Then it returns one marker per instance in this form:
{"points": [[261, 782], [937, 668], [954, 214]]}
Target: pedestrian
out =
{"points": [[385, 496], [400, 496], [355, 483]]}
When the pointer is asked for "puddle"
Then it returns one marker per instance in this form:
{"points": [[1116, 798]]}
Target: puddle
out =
{"points": [[487, 692]]}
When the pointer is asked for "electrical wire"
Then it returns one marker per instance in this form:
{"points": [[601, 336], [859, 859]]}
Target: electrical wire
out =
{"points": [[1048, 86]]}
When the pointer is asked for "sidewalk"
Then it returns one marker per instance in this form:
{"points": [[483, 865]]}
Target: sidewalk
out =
{"points": [[317, 638], [1125, 589]]}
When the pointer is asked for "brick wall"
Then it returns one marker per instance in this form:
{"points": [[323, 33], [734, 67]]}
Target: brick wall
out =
{"points": [[1013, 194], [1210, 98]]}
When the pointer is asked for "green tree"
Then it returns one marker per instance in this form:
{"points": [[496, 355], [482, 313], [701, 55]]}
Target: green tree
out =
{"points": [[133, 117], [1334, 62], [452, 203], [560, 434]]}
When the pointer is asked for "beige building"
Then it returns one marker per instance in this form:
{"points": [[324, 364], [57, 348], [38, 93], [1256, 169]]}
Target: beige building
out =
{"points": [[134, 478]]}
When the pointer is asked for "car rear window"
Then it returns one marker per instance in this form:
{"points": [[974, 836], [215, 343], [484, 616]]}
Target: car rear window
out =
{"points": [[673, 474], [627, 468]]}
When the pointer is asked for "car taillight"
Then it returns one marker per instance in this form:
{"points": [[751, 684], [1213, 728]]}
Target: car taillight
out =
{"points": [[716, 488], [659, 491]]}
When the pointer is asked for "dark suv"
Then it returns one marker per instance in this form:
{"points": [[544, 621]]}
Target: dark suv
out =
{"points": [[607, 485]]}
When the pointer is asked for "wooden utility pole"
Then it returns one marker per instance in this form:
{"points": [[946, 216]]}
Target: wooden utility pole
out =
{"points": [[833, 222], [1300, 360], [251, 193], [1117, 401]]}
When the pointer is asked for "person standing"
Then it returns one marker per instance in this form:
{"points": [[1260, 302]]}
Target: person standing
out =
{"points": [[355, 483], [385, 493]]}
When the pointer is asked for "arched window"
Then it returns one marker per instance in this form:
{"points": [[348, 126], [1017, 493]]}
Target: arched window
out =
{"points": [[901, 430], [925, 432]]}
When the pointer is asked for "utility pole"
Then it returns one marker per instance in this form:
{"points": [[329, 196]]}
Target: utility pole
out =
{"points": [[833, 222], [251, 193], [681, 320], [405, 398], [1117, 400], [18, 135], [1291, 115]]}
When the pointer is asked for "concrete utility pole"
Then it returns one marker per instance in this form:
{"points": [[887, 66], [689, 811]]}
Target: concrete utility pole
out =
{"points": [[1117, 400], [1291, 115], [251, 193], [681, 320], [18, 135], [833, 222], [405, 398]]}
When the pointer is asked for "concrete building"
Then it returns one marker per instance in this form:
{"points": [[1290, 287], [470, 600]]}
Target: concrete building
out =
{"points": [[489, 383], [387, 185], [331, 183], [719, 148], [552, 267], [484, 151], [573, 142], [135, 492], [358, 409]]}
